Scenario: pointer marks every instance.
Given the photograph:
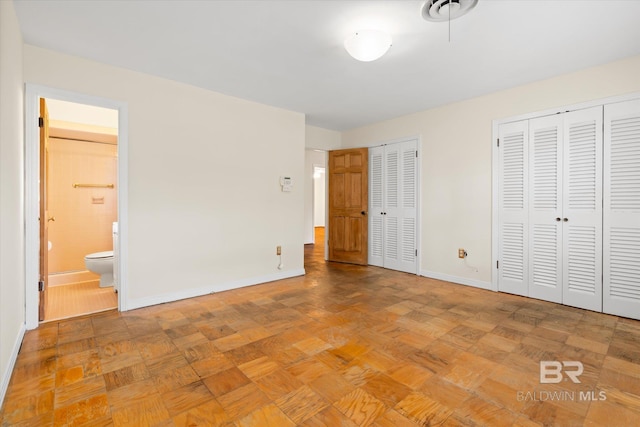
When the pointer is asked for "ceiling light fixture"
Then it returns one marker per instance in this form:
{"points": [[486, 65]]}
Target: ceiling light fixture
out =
{"points": [[446, 10], [368, 45]]}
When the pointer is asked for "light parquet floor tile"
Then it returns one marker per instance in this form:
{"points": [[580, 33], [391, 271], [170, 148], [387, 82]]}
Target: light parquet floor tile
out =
{"points": [[344, 345]]}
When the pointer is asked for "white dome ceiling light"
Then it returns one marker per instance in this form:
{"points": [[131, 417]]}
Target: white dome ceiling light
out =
{"points": [[446, 10], [368, 45]]}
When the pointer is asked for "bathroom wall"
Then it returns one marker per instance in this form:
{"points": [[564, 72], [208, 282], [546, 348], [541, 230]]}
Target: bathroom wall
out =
{"points": [[103, 119], [83, 216]]}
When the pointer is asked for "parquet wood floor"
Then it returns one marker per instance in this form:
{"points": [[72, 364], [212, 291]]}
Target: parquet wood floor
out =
{"points": [[343, 346]]}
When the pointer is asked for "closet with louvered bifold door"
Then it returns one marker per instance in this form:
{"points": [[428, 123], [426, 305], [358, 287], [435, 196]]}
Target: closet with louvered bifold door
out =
{"points": [[569, 208], [393, 206], [565, 210], [621, 224]]}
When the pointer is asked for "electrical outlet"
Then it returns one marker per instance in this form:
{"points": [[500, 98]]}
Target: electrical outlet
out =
{"points": [[278, 250], [462, 253]]}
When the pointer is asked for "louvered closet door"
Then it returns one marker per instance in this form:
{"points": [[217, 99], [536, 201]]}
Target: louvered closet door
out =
{"points": [[513, 250], [400, 207], [393, 206], [622, 209], [582, 209], [545, 223], [409, 207], [376, 206]]}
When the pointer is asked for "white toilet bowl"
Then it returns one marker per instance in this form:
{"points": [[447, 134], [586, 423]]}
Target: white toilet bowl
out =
{"points": [[101, 263]]}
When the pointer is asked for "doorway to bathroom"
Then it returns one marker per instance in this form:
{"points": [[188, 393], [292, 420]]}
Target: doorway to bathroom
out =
{"points": [[78, 208]]}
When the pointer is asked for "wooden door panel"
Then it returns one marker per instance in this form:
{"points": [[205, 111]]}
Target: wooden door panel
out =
{"points": [[337, 233], [44, 211], [338, 192], [348, 190], [354, 195], [354, 235]]}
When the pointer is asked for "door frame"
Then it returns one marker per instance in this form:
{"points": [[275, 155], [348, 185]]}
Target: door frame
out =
{"points": [[33, 93]]}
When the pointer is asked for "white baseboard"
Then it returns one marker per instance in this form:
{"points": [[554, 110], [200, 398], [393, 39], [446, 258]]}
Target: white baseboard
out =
{"points": [[59, 279], [459, 280], [6, 375], [204, 290]]}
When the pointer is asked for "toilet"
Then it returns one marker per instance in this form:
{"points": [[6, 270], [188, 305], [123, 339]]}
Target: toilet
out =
{"points": [[101, 263], [105, 263]]}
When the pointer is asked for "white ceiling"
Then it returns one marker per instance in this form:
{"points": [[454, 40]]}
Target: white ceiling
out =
{"points": [[290, 53]]}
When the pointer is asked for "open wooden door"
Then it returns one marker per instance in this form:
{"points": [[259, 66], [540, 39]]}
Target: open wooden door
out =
{"points": [[348, 204], [44, 212]]}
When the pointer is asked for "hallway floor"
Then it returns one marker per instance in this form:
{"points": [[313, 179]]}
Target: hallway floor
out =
{"points": [[342, 346]]}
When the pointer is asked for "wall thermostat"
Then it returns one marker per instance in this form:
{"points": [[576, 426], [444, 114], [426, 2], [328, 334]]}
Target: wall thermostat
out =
{"points": [[286, 182]]}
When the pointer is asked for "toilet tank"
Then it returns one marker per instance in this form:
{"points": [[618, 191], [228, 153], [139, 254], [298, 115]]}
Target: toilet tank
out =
{"points": [[116, 256]]}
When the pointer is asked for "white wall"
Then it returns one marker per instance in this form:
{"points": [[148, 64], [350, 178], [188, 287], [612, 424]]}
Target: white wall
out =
{"points": [[205, 207], [319, 198], [456, 160], [318, 158], [322, 139], [12, 295]]}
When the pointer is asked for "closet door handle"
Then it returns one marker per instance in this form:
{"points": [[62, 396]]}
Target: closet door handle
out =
{"points": [[558, 219], [363, 213], [565, 219]]}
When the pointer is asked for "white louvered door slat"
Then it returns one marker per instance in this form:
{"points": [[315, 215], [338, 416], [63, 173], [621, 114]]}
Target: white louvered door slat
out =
{"points": [[513, 205], [376, 191], [582, 209], [621, 222], [545, 192], [391, 205]]}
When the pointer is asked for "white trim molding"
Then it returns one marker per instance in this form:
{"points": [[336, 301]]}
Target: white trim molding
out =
{"points": [[205, 290], [6, 375], [32, 160], [458, 280]]}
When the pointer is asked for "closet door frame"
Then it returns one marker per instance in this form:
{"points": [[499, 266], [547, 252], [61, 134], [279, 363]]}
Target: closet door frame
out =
{"points": [[418, 145], [495, 153]]}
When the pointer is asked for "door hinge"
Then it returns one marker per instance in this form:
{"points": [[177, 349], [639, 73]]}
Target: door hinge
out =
{"points": [[40, 286], [497, 264], [40, 122], [498, 142], [416, 153], [416, 252]]}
